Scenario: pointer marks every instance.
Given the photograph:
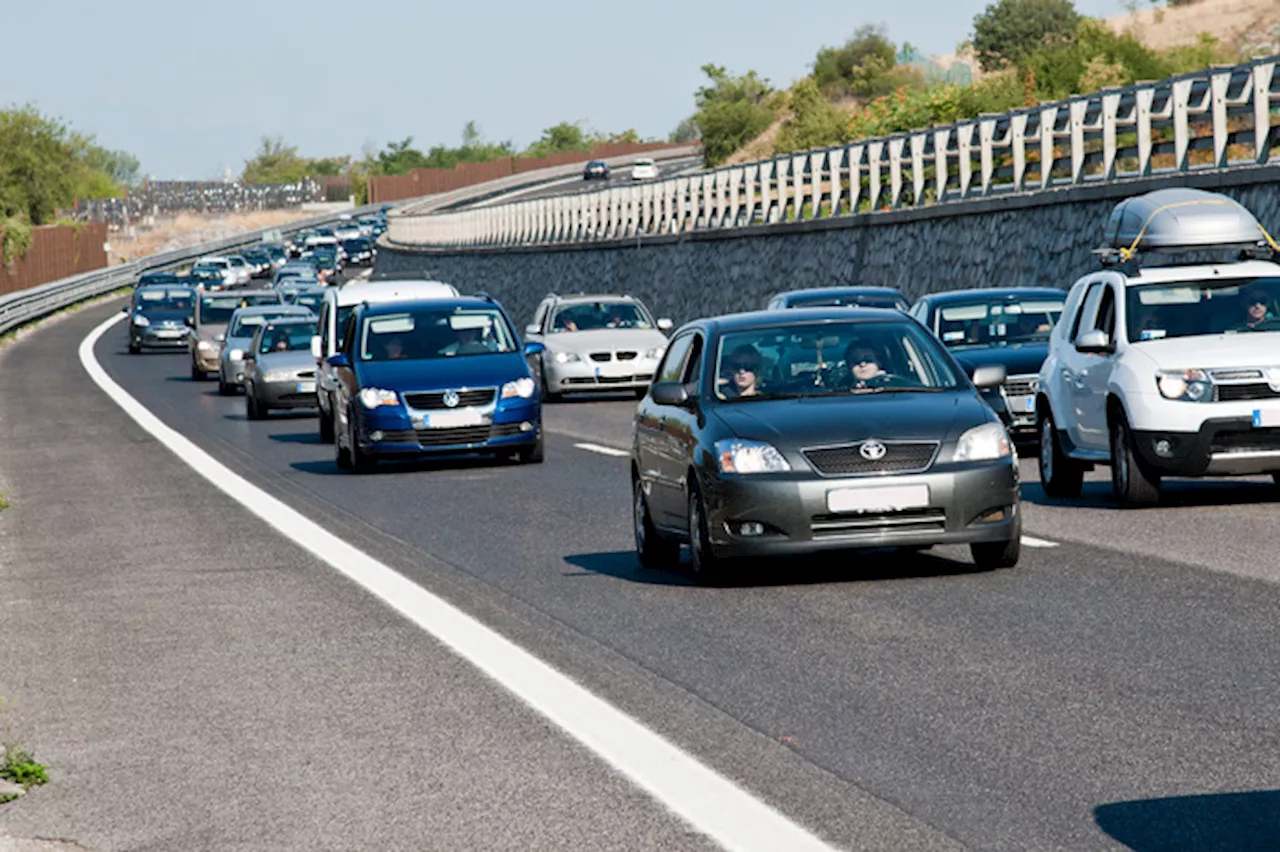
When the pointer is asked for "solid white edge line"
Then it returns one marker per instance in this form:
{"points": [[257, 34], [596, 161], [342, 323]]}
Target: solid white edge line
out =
{"points": [[603, 450], [709, 802], [1032, 541]]}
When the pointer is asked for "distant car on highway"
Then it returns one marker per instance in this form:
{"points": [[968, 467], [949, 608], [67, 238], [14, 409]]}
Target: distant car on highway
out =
{"points": [[347, 231], [296, 269], [359, 251], [430, 377], [279, 372], [148, 278], [596, 343], [158, 315], [259, 261], [338, 305], [1008, 326], [208, 324], [327, 263], [242, 269], [241, 327], [644, 169], [208, 280], [596, 169], [852, 297], [780, 433], [220, 265], [300, 292]]}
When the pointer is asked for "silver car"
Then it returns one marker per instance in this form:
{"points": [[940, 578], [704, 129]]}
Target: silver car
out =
{"points": [[279, 370], [597, 343], [240, 331]]}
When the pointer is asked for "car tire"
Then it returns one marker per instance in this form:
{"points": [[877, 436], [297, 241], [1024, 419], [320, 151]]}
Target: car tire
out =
{"points": [[532, 455], [326, 427], [1060, 475], [253, 409], [993, 555], [341, 456], [547, 395], [361, 462], [225, 389], [134, 348], [1131, 481], [653, 549], [707, 567], [197, 375]]}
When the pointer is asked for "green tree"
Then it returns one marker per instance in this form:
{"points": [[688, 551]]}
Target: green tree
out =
{"points": [[1010, 31], [122, 167], [686, 131], [865, 66], [275, 162], [565, 137], [38, 167], [732, 111], [815, 121]]}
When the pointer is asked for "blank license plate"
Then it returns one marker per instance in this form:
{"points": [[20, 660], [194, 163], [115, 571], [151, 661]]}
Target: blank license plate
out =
{"points": [[453, 419], [306, 387], [891, 498], [1023, 403], [1263, 417]]}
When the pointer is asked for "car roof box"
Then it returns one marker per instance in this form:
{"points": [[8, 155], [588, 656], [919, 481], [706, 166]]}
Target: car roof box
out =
{"points": [[1173, 221]]}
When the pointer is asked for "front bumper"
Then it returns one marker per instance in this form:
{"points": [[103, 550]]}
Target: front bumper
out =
{"points": [[584, 376], [207, 359], [286, 394], [967, 503], [391, 433], [232, 372], [1227, 446], [154, 337]]}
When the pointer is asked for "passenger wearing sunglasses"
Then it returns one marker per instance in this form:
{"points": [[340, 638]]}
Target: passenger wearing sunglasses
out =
{"points": [[864, 367], [1257, 310], [744, 372]]}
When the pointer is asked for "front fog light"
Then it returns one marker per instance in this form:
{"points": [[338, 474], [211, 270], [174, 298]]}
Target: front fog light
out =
{"points": [[376, 435], [1163, 448], [983, 443], [750, 529]]}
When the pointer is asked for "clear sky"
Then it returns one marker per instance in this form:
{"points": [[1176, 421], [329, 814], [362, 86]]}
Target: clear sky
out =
{"points": [[190, 88]]}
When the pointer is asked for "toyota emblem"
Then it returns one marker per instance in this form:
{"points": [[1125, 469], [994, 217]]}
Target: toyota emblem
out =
{"points": [[450, 399], [872, 450]]}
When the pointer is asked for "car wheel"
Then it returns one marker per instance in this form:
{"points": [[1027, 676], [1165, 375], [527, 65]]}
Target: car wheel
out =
{"points": [[653, 549], [707, 567], [326, 427], [991, 555], [531, 455], [253, 409], [1060, 475], [547, 395], [341, 455], [134, 348], [361, 462], [1131, 482], [197, 375]]}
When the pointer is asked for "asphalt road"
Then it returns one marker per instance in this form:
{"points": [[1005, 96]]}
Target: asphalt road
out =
{"points": [[883, 701]]}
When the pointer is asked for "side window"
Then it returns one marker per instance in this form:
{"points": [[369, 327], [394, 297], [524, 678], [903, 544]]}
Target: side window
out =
{"points": [[693, 363], [671, 368], [1086, 307], [540, 316], [1106, 318], [324, 327], [348, 336]]}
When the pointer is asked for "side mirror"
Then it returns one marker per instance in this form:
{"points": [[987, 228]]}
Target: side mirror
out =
{"points": [[1096, 342], [669, 393], [249, 355], [315, 347], [991, 376], [125, 309], [665, 324], [339, 360], [533, 328], [220, 338], [533, 347], [189, 322]]}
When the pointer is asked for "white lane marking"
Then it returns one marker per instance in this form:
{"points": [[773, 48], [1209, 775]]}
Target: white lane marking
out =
{"points": [[705, 799], [1031, 541], [602, 450]]}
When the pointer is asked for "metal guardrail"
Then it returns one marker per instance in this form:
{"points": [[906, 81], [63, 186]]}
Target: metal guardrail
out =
{"points": [[1139, 131]]}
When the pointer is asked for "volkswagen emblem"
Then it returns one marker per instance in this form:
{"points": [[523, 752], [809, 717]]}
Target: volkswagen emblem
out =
{"points": [[872, 450], [450, 399]]}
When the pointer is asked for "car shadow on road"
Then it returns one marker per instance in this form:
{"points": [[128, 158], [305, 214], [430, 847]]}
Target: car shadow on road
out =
{"points": [[854, 565], [312, 437], [1174, 494], [385, 468], [1224, 821]]}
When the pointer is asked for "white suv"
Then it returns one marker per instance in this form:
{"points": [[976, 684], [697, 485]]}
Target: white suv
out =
{"points": [[1169, 370]]}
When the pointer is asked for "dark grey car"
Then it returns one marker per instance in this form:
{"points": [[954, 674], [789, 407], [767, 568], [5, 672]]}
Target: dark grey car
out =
{"points": [[279, 370], [789, 432]]}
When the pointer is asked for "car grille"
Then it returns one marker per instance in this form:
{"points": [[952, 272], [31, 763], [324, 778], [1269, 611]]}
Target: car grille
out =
{"points": [[1245, 441], [435, 399], [1237, 393], [607, 380], [627, 356], [847, 460], [601, 356], [306, 374], [1021, 385], [461, 437], [910, 520], [297, 397]]}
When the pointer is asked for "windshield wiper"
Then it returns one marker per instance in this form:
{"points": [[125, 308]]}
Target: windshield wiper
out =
{"points": [[898, 390]]}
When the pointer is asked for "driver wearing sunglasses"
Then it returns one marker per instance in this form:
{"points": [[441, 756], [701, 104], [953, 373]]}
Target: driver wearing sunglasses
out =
{"points": [[864, 366], [744, 372]]}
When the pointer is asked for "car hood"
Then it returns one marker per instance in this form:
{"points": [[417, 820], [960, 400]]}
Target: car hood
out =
{"points": [[603, 339], [467, 371], [1018, 360], [172, 317], [207, 331], [841, 419], [1210, 351], [296, 360]]}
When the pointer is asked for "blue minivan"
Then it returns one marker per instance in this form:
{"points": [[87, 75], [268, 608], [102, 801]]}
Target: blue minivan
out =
{"points": [[437, 376]]}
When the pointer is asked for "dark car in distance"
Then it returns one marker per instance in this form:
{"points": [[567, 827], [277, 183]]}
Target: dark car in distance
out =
{"points": [[846, 297], [426, 377], [1004, 326], [596, 169], [791, 432], [158, 315], [148, 278], [359, 251]]}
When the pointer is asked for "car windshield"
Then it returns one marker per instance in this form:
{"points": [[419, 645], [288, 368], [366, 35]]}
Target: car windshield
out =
{"points": [[236, 261], [246, 324], [158, 278], [218, 309], [293, 337], [840, 300], [826, 359], [1192, 308], [998, 321], [308, 300], [356, 245], [164, 299], [434, 333], [591, 316]]}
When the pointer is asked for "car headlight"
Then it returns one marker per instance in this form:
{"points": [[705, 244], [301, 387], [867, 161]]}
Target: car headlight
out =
{"points": [[374, 397], [276, 376], [566, 357], [204, 346], [1185, 385], [655, 353], [141, 321], [735, 455], [235, 354], [983, 443], [522, 388]]}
